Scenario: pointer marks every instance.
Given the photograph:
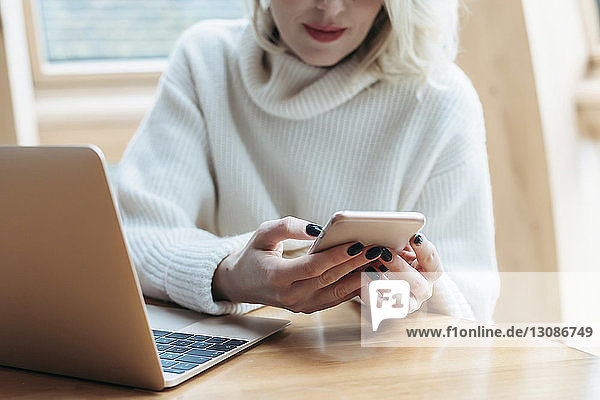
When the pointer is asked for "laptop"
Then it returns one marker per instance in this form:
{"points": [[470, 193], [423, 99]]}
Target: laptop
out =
{"points": [[70, 300]]}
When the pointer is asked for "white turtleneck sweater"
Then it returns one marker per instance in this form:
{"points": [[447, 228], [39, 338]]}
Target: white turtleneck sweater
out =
{"points": [[238, 136]]}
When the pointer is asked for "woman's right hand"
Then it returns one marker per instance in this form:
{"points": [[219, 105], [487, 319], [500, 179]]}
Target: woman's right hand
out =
{"points": [[259, 273]]}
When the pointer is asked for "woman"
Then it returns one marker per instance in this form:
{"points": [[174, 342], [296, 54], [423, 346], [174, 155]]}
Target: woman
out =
{"points": [[315, 106]]}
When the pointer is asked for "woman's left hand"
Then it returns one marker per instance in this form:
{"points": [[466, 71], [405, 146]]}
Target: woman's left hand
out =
{"points": [[418, 263]]}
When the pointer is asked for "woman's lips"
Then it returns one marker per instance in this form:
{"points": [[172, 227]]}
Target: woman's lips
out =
{"points": [[324, 33]]}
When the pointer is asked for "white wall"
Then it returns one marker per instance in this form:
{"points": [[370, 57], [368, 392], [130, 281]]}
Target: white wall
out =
{"points": [[560, 57], [497, 57], [16, 87]]}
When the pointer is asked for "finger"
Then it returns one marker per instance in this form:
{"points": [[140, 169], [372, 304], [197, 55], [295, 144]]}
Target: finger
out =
{"points": [[313, 265], [338, 291], [416, 266], [270, 233], [362, 268], [334, 303], [427, 256], [408, 255], [399, 269], [333, 274]]}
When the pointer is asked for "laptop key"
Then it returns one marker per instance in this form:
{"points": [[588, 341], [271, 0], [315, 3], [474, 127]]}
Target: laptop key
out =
{"points": [[164, 340], [162, 347], [185, 366], [158, 333], [204, 353], [198, 338], [221, 347], [177, 349], [169, 356], [200, 345], [236, 342], [217, 339], [179, 335], [192, 359], [174, 371], [182, 343], [167, 363]]}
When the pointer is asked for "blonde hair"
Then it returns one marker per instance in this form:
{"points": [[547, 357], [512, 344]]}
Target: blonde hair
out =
{"points": [[408, 37]]}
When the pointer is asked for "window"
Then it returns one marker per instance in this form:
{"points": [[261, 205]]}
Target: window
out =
{"points": [[110, 37], [95, 63]]}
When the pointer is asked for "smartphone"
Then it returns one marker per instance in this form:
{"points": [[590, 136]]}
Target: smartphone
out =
{"points": [[383, 228]]}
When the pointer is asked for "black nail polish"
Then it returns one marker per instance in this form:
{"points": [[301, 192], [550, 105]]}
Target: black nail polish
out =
{"points": [[373, 252], [355, 249], [418, 239], [313, 230], [386, 255], [372, 273], [383, 268]]}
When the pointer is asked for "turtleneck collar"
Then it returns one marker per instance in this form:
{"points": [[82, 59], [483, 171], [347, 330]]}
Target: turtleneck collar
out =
{"points": [[286, 87]]}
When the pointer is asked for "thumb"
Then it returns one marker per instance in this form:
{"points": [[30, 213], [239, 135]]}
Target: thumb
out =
{"points": [[427, 256], [270, 233]]}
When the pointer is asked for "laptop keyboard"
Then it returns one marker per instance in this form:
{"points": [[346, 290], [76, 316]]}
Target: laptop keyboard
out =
{"points": [[180, 352]]}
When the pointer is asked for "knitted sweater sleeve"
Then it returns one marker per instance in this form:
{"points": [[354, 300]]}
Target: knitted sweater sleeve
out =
{"points": [[167, 199], [457, 201]]}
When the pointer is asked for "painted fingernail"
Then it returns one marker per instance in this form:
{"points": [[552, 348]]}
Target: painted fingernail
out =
{"points": [[372, 273], [383, 268], [355, 249], [313, 230], [386, 255], [418, 239], [373, 252]]}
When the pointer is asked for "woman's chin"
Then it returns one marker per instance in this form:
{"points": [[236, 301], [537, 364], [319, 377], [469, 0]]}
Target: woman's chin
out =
{"points": [[319, 60]]}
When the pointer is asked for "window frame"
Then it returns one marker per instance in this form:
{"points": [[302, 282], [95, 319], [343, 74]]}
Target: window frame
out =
{"points": [[78, 74]]}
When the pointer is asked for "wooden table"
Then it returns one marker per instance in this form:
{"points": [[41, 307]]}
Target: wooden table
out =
{"points": [[320, 356]]}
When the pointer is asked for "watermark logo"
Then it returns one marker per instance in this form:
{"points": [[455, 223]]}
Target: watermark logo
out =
{"points": [[388, 299]]}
